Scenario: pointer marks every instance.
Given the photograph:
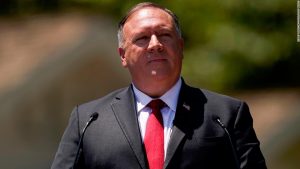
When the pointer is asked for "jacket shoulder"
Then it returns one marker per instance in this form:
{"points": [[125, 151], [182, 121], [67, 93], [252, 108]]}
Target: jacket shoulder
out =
{"points": [[103, 102], [220, 97], [209, 96], [212, 100]]}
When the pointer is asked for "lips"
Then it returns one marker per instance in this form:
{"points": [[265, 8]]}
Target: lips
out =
{"points": [[158, 60]]}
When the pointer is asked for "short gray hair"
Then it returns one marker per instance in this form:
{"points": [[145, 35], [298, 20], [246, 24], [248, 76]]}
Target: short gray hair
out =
{"points": [[141, 6]]}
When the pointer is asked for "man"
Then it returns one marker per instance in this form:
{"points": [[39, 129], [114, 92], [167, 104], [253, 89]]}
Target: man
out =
{"points": [[159, 121]]}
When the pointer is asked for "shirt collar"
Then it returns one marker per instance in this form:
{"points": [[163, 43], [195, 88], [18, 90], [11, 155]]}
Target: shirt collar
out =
{"points": [[170, 97]]}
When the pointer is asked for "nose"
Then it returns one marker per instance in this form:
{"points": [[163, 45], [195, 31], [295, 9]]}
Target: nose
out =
{"points": [[154, 44]]}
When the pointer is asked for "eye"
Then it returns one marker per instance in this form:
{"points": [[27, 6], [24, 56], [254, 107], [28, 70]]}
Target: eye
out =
{"points": [[141, 38], [165, 36]]}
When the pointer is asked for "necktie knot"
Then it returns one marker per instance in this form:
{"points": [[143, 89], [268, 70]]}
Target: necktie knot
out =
{"points": [[156, 105]]}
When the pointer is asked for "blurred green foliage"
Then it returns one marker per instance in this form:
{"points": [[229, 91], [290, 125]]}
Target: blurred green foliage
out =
{"points": [[229, 44]]}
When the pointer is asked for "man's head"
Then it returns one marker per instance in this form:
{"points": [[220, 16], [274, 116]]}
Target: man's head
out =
{"points": [[151, 47]]}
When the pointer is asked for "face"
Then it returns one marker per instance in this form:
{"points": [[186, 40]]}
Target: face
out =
{"points": [[152, 48]]}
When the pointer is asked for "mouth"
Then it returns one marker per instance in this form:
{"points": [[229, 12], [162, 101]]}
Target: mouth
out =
{"points": [[158, 60]]}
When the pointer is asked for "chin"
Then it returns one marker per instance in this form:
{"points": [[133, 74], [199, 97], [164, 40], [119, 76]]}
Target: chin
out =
{"points": [[160, 76]]}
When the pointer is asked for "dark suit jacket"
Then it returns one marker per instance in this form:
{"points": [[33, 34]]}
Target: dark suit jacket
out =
{"points": [[113, 141]]}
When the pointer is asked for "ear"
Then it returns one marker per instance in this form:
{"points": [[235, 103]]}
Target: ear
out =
{"points": [[122, 56]]}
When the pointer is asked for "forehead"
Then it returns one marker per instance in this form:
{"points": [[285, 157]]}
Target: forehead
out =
{"points": [[148, 17]]}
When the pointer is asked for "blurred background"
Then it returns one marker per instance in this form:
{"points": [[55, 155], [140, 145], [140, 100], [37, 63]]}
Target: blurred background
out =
{"points": [[55, 54]]}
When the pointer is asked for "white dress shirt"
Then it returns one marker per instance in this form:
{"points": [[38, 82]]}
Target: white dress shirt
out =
{"points": [[168, 112]]}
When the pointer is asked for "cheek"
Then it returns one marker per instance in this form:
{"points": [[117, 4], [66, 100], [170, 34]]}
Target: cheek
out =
{"points": [[134, 56]]}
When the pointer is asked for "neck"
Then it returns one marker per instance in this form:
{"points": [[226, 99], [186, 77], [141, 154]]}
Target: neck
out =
{"points": [[155, 88]]}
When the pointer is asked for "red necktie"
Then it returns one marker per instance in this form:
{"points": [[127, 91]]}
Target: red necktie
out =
{"points": [[154, 137]]}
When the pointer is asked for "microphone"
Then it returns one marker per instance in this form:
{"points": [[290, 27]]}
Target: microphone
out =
{"points": [[237, 163], [93, 117]]}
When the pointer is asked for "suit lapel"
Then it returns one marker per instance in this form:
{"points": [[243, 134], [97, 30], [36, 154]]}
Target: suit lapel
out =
{"points": [[176, 138], [189, 115], [125, 111], [179, 131]]}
